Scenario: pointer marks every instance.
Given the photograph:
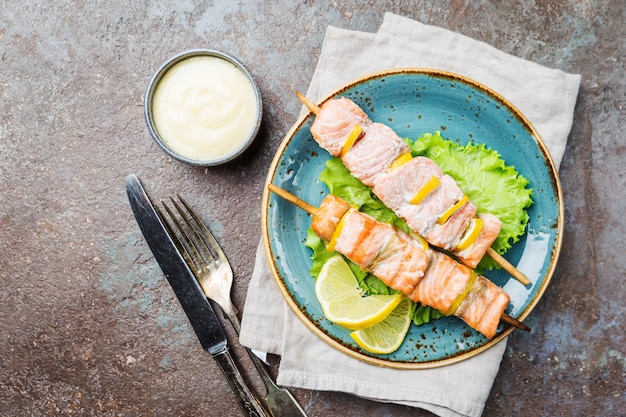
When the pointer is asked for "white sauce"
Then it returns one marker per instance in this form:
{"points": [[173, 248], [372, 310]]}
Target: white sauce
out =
{"points": [[204, 108]]}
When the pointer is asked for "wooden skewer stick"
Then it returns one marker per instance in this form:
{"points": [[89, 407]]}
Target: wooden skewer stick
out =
{"points": [[312, 210], [313, 108], [506, 265], [292, 199]]}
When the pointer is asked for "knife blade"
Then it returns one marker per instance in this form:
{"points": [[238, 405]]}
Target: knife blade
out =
{"points": [[203, 319]]}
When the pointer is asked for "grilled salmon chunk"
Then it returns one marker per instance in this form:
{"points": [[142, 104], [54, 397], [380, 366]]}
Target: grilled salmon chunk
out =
{"points": [[373, 153], [390, 254], [444, 280], [397, 187], [483, 307], [448, 235], [328, 215], [334, 122], [401, 263], [422, 217], [361, 238]]}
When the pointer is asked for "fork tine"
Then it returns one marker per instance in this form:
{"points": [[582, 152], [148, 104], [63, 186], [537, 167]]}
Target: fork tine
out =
{"points": [[206, 233], [170, 231], [199, 245], [191, 252]]}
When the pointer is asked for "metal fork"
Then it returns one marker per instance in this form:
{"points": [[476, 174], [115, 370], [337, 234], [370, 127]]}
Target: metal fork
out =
{"points": [[211, 268]]}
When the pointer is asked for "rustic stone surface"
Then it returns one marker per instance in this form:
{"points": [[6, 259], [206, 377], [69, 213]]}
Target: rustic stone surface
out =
{"points": [[89, 325]]}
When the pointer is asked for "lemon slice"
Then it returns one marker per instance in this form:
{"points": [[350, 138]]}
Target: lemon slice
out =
{"points": [[419, 240], [337, 232], [354, 135], [386, 336], [471, 234], [343, 301], [461, 297], [401, 160], [452, 209], [430, 186]]}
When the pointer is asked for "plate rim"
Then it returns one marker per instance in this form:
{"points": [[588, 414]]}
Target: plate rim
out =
{"points": [[265, 202]]}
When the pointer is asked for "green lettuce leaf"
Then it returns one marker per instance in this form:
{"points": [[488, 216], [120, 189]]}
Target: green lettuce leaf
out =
{"points": [[421, 314]]}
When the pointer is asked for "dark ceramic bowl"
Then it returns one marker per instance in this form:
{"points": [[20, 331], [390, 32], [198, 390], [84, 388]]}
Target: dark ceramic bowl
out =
{"points": [[149, 114]]}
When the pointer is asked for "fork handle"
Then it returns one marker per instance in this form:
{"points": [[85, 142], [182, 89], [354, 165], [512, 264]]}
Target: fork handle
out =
{"points": [[247, 399]]}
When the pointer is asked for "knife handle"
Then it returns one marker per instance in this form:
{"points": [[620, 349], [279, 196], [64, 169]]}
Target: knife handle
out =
{"points": [[248, 401]]}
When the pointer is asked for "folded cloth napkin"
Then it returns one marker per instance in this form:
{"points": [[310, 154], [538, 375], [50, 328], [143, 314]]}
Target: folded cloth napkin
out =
{"points": [[546, 96]]}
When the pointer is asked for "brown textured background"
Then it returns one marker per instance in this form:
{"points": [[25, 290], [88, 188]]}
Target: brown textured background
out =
{"points": [[88, 324]]}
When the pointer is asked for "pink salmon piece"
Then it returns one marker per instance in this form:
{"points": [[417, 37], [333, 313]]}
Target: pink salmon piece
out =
{"points": [[335, 121], [371, 155]]}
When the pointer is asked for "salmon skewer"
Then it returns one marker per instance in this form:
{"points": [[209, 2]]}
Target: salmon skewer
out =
{"points": [[405, 264], [442, 214]]}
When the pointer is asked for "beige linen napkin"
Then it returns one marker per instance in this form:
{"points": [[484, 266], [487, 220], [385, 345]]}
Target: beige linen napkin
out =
{"points": [[546, 96]]}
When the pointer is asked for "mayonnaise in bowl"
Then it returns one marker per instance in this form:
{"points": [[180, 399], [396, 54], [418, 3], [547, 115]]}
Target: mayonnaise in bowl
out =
{"points": [[203, 107]]}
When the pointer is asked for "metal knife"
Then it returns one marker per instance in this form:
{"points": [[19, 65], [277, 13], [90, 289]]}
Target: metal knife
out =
{"points": [[190, 295]]}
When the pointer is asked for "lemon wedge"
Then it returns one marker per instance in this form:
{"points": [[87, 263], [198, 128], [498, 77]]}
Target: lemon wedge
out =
{"points": [[401, 160], [452, 209], [430, 186], [471, 233], [337, 232], [343, 301], [355, 134], [386, 336], [419, 240]]}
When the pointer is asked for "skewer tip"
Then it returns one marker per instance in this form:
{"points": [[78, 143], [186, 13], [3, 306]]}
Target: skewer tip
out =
{"points": [[313, 108], [292, 198], [515, 323]]}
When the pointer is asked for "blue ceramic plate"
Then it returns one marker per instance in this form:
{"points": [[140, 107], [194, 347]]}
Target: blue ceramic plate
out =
{"points": [[414, 102]]}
